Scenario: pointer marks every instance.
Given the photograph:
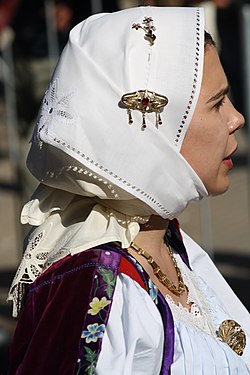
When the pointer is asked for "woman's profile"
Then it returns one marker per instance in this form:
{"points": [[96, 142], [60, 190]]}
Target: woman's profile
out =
{"points": [[135, 124]]}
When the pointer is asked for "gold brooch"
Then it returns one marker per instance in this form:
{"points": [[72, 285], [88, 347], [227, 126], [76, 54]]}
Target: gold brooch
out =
{"points": [[232, 334], [144, 101], [148, 27]]}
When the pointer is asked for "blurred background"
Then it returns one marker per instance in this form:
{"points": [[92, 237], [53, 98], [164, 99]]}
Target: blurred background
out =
{"points": [[32, 36]]}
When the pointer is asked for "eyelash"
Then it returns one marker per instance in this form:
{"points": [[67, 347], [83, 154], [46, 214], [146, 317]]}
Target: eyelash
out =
{"points": [[220, 103]]}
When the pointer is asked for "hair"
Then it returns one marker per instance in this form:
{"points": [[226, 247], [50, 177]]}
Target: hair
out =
{"points": [[209, 40]]}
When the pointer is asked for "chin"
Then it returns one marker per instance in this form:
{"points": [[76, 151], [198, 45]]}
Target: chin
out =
{"points": [[218, 189], [218, 186]]}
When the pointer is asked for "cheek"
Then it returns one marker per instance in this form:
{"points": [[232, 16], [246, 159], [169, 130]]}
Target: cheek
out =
{"points": [[204, 147], [193, 146], [206, 135]]}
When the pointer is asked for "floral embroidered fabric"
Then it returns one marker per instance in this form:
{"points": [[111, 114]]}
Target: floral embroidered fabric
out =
{"points": [[55, 108], [96, 319], [98, 313]]}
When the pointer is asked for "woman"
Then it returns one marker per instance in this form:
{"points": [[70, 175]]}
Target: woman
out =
{"points": [[136, 124]]}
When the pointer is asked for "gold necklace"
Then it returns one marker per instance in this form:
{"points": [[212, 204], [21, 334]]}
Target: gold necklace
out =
{"points": [[178, 291]]}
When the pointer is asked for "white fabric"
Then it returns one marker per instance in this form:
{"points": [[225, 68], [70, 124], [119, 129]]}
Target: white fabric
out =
{"points": [[82, 125], [65, 224], [205, 268], [133, 339], [133, 346], [198, 353], [201, 315]]}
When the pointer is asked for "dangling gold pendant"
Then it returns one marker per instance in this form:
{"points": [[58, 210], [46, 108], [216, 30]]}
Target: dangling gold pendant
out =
{"points": [[144, 101], [232, 334]]}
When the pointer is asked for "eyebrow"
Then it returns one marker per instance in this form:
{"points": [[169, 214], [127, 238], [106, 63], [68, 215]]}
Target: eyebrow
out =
{"points": [[219, 94]]}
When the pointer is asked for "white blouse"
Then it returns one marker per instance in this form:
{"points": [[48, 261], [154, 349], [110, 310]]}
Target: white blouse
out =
{"points": [[134, 337]]}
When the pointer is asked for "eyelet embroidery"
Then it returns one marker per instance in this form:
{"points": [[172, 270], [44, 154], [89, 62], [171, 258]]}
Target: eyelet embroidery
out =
{"points": [[194, 86], [27, 272], [87, 172], [55, 108], [138, 219], [32, 256], [87, 158], [59, 109]]}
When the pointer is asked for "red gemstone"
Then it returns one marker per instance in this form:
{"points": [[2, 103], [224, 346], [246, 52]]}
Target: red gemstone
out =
{"points": [[145, 102]]}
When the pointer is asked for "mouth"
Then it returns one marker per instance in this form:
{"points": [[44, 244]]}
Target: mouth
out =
{"points": [[228, 162], [228, 159]]}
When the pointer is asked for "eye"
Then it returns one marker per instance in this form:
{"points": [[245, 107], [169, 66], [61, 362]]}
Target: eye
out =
{"points": [[220, 103]]}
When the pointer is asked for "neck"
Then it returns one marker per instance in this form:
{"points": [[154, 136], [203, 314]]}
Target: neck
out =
{"points": [[151, 235], [150, 251]]}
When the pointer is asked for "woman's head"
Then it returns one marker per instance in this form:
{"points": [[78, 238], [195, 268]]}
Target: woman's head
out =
{"points": [[83, 142]]}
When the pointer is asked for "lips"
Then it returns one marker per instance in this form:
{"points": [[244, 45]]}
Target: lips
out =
{"points": [[228, 160]]}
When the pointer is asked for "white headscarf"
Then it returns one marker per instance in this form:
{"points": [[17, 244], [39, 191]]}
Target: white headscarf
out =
{"points": [[100, 176]]}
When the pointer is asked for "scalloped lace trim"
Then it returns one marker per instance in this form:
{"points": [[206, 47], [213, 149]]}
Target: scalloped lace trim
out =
{"points": [[201, 314]]}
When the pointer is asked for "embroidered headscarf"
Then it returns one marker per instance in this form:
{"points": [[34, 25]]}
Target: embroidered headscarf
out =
{"points": [[101, 176]]}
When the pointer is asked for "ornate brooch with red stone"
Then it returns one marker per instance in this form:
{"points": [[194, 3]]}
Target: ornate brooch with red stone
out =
{"points": [[144, 101]]}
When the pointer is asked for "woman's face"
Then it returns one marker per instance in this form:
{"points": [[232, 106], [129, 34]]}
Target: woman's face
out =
{"points": [[210, 139]]}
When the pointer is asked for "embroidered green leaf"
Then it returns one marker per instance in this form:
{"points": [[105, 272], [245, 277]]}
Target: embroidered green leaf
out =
{"points": [[79, 367], [90, 369], [109, 279], [90, 355]]}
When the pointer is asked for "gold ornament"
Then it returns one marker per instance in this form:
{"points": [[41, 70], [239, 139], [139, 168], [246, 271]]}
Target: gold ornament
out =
{"points": [[178, 291], [144, 101], [232, 334], [148, 27]]}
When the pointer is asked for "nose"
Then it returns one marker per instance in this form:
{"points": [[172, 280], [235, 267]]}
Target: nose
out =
{"points": [[235, 119]]}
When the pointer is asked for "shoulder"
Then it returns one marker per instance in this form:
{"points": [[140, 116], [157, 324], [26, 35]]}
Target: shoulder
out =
{"points": [[88, 261]]}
